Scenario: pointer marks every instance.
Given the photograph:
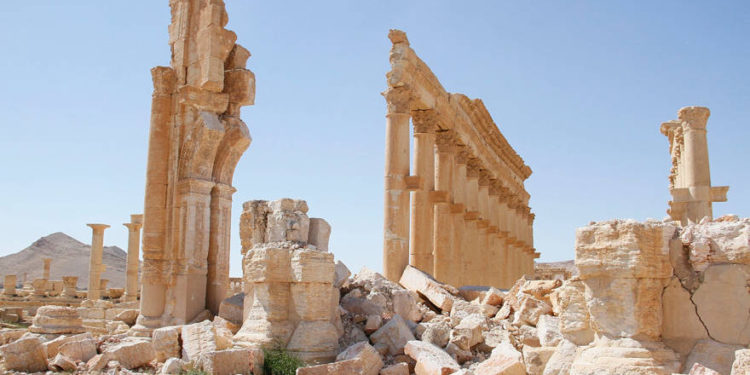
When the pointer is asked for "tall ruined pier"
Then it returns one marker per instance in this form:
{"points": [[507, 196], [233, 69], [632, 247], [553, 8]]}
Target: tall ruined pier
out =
{"points": [[195, 142], [460, 212]]}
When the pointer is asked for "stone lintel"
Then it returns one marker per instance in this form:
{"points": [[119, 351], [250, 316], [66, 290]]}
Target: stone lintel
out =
{"points": [[203, 100], [413, 183], [437, 196], [719, 193]]}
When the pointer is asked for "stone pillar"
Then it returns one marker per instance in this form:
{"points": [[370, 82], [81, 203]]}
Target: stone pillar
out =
{"points": [[134, 242], [9, 285], [40, 287], [697, 174], [47, 263], [218, 248], [444, 255], [471, 251], [396, 215], [95, 261], [422, 217], [69, 286], [458, 211], [484, 250], [103, 287]]}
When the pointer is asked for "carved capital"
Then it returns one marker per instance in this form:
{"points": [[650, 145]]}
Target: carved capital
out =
{"points": [[424, 121], [398, 100], [462, 155], [473, 166], [446, 141], [694, 117], [484, 177]]}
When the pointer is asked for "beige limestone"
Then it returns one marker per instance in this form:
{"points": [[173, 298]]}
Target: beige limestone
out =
{"points": [[690, 177], [9, 285], [134, 243], [467, 198], [726, 321], [131, 354], [70, 284], [79, 350], [401, 368], [741, 365], [370, 360], [26, 355], [166, 343], [56, 320], [535, 359], [196, 140], [431, 360], [625, 356], [203, 337], [422, 283], [47, 266], [699, 369], [52, 347], [242, 361], [725, 240], [63, 363], [504, 360], [231, 308], [713, 355], [394, 335], [681, 325], [95, 264], [285, 282]]}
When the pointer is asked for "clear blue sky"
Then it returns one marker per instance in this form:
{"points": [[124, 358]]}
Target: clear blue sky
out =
{"points": [[578, 88]]}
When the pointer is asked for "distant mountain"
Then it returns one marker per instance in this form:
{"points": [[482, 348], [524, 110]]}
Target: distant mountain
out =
{"points": [[70, 257]]}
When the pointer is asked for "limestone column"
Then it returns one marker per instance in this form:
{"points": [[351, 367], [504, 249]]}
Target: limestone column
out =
{"points": [[696, 174], [9, 285], [131, 269], [444, 256], [497, 261], [471, 252], [40, 287], [69, 286], [396, 215], [218, 250], [95, 260], [484, 250], [103, 286], [422, 217], [458, 210], [47, 264]]}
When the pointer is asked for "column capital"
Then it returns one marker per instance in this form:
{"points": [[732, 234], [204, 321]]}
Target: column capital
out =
{"points": [[462, 155], [446, 141], [398, 100], [694, 118], [473, 165], [136, 218], [484, 177], [133, 227], [425, 121], [98, 227]]}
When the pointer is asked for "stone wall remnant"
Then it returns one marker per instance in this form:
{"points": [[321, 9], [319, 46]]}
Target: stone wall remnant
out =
{"points": [[690, 176], [462, 213], [288, 284], [196, 140]]}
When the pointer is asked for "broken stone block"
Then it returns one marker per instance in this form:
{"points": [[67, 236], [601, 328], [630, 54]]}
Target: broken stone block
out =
{"points": [[496, 336], [493, 297], [79, 350], [232, 361], [437, 333], [166, 342], [98, 362], [127, 316], [529, 310], [431, 360], [231, 308], [132, 354], [562, 359], [504, 360], [25, 354], [199, 338], [699, 369], [405, 304], [681, 327], [63, 363], [625, 356], [351, 366], [172, 366], [342, 274], [396, 369], [711, 354], [7, 336], [369, 358], [535, 359], [548, 330], [470, 327], [52, 346], [420, 282], [462, 309], [394, 334], [57, 320], [540, 289], [472, 292], [319, 233], [458, 353], [569, 304], [373, 323], [715, 242], [726, 322], [741, 365]]}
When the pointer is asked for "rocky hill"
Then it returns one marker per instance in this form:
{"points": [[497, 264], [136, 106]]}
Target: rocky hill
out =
{"points": [[70, 257]]}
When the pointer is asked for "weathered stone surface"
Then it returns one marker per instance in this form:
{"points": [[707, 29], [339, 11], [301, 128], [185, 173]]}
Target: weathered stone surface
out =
{"points": [[231, 308], [420, 282], [504, 360], [80, 350], [437, 333], [132, 354], [200, 338], [127, 316], [319, 233], [232, 361], [711, 354], [535, 359], [373, 323], [741, 365], [371, 363], [172, 366], [52, 346], [548, 330], [727, 322], [394, 334], [351, 366], [718, 241], [342, 274], [562, 359], [99, 362], [405, 304], [25, 354], [625, 356], [470, 328], [681, 326], [569, 304], [493, 297], [699, 369], [396, 369], [62, 363], [57, 320], [529, 310], [166, 343], [431, 360], [462, 309]]}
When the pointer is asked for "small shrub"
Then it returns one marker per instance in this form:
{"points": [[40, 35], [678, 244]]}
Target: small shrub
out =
{"points": [[278, 361]]}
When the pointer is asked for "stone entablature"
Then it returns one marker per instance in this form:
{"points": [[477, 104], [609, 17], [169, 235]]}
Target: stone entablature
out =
{"points": [[690, 176], [461, 213]]}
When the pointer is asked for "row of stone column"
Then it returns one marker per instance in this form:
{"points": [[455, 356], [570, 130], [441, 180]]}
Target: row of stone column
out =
{"points": [[460, 223], [96, 267]]}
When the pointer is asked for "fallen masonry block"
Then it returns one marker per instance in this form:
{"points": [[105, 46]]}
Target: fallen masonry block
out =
{"points": [[431, 360], [420, 282]]}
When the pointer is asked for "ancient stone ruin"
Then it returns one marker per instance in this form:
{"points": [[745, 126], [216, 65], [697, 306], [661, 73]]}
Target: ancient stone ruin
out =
{"points": [[469, 222], [195, 142], [690, 177]]}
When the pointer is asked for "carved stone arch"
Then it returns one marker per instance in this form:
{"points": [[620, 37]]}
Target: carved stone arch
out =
{"points": [[200, 145], [236, 141]]}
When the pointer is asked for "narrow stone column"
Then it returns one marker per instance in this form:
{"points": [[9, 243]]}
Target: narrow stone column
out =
{"points": [[497, 257], [396, 215], [484, 249], [47, 264], [131, 269], [471, 250], [103, 286], [218, 249], [458, 210], [422, 217], [444, 255], [69, 286], [696, 174], [95, 261], [9, 285]]}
